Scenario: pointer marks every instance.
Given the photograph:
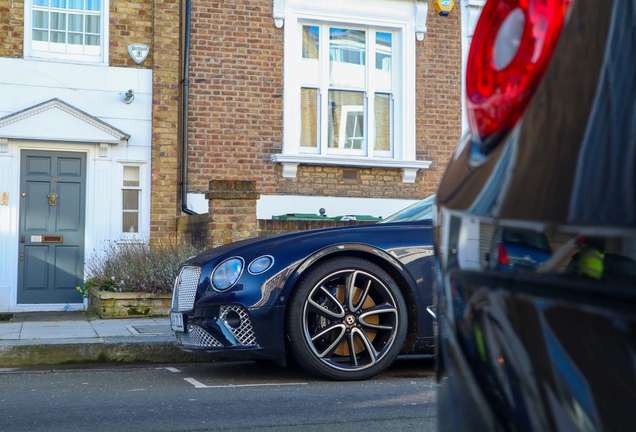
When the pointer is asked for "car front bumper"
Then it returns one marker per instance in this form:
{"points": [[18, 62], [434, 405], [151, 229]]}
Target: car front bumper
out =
{"points": [[233, 330]]}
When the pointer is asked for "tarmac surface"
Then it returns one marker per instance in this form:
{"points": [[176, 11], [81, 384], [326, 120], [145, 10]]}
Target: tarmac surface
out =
{"points": [[54, 338]]}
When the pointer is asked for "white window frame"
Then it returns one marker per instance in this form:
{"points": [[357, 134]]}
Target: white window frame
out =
{"points": [[346, 111], [398, 17], [124, 235], [368, 89], [30, 53]]}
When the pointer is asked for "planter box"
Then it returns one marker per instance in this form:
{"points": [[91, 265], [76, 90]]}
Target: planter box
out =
{"points": [[128, 304]]}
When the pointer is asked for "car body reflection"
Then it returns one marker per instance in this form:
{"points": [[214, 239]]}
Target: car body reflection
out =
{"points": [[551, 345]]}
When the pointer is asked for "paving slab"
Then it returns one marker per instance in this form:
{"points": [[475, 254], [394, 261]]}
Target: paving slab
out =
{"points": [[113, 327], [10, 330], [155, 329], [57, 330]]}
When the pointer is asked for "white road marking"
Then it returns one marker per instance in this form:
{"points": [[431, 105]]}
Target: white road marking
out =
{"points": [[171, 369], [197, 384]]}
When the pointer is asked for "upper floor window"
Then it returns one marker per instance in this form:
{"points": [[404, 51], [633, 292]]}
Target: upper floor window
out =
{"points": [[73, 30], [346, 90], [349, 84]]}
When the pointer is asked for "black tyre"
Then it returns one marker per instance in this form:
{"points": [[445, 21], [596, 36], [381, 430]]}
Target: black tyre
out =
{"points": [[347, 320]]}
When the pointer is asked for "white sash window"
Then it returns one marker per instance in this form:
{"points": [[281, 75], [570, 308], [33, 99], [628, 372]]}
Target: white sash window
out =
{"points": [[349, 84], [73, 30]]}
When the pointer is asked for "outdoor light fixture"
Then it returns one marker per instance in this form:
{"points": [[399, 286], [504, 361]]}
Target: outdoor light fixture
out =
{"points": [[127, 97]]}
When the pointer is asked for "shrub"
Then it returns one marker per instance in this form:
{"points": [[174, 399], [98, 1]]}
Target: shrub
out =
{"points": [[139, 267]]}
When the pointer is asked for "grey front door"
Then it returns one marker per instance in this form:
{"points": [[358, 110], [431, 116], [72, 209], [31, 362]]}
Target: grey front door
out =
{"points": [[51, 253]]}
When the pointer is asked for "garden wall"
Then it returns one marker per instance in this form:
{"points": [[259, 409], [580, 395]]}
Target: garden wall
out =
{"points": [[232, 217]]}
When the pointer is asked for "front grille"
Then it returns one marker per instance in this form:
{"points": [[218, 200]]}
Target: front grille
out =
{"points": [[197, 337], [185, 288], [244, 333]]}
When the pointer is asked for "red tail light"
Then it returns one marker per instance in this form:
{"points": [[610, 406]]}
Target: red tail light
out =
{"points": [[503, 255], [512, 45]]}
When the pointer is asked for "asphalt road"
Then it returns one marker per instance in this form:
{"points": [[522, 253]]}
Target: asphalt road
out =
{"points": [[215, 396]]}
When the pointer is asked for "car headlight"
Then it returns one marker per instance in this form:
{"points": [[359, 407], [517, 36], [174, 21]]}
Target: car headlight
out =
{"points": [[227, 273], [260, 264]]}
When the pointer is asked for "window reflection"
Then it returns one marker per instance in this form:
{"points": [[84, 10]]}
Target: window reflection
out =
{"points": [[309, 117], [382, 113], [587, 256], [311, 42], [383, 51], [346, 119], [346, 101], [347, 49]]}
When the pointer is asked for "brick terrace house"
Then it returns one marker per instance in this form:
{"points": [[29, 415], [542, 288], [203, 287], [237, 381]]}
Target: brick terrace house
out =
{"points": [[80, 125], [295, 104], [352, 106]]}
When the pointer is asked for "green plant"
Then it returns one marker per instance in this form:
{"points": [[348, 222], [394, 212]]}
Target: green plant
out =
{"points": [[139, 267], [83, 289]]}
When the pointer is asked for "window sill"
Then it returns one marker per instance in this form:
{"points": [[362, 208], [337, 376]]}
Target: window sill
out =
{"points": [[64, 59], [137, 240], [409, 168]]}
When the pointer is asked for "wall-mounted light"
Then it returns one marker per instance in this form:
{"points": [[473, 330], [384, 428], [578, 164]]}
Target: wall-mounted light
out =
{"points": [[127, 97]]}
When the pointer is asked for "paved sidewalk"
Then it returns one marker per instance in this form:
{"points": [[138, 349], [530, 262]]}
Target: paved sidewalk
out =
{"points": [[50, 338]]}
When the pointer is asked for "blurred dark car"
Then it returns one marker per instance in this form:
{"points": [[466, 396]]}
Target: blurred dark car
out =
{"points": [[343, 302], [551, 104], [518, 250]]}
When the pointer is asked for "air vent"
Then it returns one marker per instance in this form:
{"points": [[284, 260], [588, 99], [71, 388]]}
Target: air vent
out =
{"points": [[350, 175]]}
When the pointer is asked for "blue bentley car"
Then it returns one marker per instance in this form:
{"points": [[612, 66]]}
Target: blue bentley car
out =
{"points": [[343, 302], [539, 334]]}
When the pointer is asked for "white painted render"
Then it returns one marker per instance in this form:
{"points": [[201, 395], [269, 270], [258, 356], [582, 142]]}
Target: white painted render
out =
{"points": [[275, 205], [93, 93], [271, 205]]}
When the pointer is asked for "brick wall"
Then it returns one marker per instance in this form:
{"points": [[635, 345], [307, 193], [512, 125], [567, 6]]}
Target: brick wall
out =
{"points": [[11, 28], [236, 108], [165, 118], [235, 93], [232, 217], [269, 226], [439, 117], [232, 206], [195, 229], [199, 230], [131, 21]]}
